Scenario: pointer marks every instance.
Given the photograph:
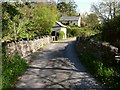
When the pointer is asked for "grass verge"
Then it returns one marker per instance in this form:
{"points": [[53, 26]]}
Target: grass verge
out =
{"points": [[107, 74], [12, 68]]}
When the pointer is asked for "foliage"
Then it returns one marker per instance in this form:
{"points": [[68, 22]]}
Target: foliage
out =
{"points": [[69, 30], [27, 20], [60, 34], [76, 31], [12, 67], [16, 27], [9, 12], [111, 28], [109, 13], [100, 62], [91, 20], [53, 8], [106, 9], [105, 74], [67, 8], [21, 21]]}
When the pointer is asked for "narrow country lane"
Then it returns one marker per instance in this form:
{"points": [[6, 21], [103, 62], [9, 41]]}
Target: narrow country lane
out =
{"points": [[56, 66]]}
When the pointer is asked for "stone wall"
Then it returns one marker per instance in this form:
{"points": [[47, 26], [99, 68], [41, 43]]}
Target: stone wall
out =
{"points": [[25, 48]]}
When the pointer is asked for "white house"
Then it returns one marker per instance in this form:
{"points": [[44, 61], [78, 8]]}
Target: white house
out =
{"points": [[71, 20], [59, 26]]}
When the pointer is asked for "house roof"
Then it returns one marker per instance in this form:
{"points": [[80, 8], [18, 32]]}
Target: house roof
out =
{"points": [[69, 18], [59, 24]]}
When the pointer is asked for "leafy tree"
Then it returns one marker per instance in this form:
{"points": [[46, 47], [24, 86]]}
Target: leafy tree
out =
{"points": [[107, 9], [43, 20], [9, 13], [54, 10], [27, 20], [111, 28], [72, 10], [67, 8], [91, 20]]}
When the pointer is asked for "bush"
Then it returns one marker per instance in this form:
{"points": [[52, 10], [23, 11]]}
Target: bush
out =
{"points": [[12, 67], [111, 28], [69, 30], [60, 34], [100, 62], [76, 31], [107, 75], [73, 31]]}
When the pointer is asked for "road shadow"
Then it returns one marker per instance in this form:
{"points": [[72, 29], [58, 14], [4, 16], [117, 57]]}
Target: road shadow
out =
{"points": [[56, 69], [61, 42], [58, 78]]}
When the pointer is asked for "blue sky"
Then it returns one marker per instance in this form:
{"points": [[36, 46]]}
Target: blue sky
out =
{"points": [[84, 5]]}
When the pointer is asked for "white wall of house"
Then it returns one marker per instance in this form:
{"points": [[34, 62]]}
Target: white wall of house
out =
{"points": [[79, 22], [62, 29]]}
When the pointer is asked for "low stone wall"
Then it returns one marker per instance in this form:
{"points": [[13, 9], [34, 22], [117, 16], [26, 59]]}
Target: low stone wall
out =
{"points": [[25, 48]]}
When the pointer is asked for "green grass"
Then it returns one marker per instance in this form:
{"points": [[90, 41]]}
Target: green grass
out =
{"points": [[12, 68], [105, 74], [108, 75]]}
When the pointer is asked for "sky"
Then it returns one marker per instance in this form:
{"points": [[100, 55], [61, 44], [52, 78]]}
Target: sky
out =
{"points": [[84, 5]]}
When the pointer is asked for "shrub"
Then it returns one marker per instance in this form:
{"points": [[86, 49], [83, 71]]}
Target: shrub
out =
{"points": [[99, 62], [111, 28], [76, 31], [69, 30], [107, 75], [60, 34], [12, 67]]}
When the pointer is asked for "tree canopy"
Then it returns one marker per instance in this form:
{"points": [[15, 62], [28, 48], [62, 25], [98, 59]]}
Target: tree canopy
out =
{"points": [[67, 8], [27, 20], [106, 9], [109, 13], [90, 20]]}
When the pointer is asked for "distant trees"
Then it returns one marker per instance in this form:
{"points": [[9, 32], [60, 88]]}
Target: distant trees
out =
{"points": [[109, 13], [106, 9], [67, 8], [27, 20], [90, 20]]}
